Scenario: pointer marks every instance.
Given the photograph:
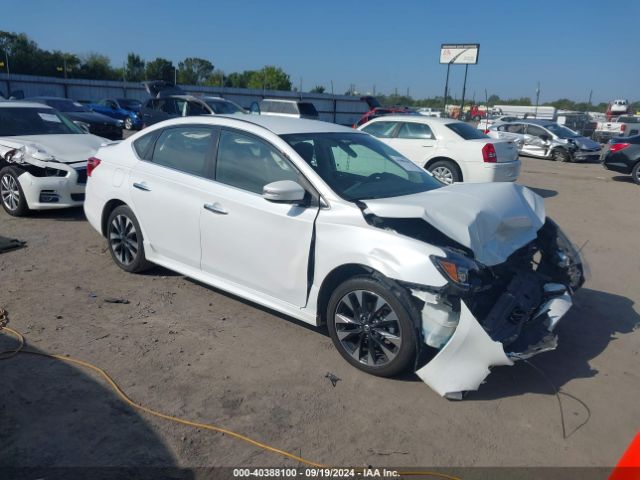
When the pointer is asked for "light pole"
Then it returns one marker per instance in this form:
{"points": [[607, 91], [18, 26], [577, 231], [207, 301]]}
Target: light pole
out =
{"points": [[537, 99]]}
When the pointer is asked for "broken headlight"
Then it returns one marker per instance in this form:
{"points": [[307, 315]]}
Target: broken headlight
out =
{"points": [[461, 271]]}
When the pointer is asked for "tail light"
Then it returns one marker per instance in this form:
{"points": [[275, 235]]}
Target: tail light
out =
{"points": [[622, 127], [92, 164], [616, 147], [489, 153], [486, 131]]}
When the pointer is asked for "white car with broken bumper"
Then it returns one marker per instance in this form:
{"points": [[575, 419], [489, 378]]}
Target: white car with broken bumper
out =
{"points": [[331, 226], [43, 158]]}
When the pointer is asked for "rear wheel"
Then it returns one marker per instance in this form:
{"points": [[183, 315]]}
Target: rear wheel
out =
{"points": [[446, 171], [125, 240], [560, 155], [635, 173], [370, 325], [11, 194]]}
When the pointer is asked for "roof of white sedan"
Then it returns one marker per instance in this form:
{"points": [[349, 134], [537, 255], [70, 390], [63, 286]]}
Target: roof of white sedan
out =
{"points": [[276, 124], [17, 104], [413, 118]]}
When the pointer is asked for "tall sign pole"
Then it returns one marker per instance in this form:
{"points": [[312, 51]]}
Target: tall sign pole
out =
{"points": [[464, 88], [446, 88]]}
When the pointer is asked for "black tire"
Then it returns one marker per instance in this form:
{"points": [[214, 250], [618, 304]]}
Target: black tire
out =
{"points": [[11, 193], [446, 171], [125, 242], [376, 327], [560, 155], [635, 173], [128, 123]]}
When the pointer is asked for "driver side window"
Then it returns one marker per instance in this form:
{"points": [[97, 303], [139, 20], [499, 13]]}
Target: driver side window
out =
{"points": [[536, 131]]}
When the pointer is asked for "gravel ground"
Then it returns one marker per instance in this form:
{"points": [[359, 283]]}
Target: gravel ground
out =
{"points": [[193, 351]]}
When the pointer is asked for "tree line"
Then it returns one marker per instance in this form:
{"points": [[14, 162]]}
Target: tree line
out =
{"points": [[26, 57]]}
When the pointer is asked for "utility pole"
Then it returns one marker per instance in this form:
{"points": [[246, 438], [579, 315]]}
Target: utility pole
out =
{"points": [[6, 64], [590, 95], [537, 99], [464, 88]]}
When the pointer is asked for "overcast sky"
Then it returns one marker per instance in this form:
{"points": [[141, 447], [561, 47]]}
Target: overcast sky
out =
{"points": [[570, 46]]}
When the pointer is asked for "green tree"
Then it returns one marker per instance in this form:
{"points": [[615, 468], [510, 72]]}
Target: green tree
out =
{"points": [[97, 66], [134, 69], [239, 79], [159, 69], [194, 71], [317, 89], [270, 78]]}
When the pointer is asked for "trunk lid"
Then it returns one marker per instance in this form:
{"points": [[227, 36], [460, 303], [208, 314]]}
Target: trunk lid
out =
{"points": [[492, 219], [506, 150]]}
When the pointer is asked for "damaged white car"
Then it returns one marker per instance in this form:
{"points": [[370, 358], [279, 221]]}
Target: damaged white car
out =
{"points": [[331, 226], [43, 158]]}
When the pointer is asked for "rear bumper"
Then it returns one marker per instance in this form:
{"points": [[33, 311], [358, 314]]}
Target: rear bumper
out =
{"points": [[493, 172]]}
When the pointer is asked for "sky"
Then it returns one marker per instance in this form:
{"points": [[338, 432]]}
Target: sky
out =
{"points": [[571, 47]]}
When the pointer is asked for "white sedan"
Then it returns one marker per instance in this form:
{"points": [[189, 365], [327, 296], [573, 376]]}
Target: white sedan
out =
{"points": [[43, 158], [451, 150], [328, 225]]}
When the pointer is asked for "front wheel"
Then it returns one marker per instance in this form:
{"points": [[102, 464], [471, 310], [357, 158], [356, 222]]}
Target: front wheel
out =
{"points": [[445, 171], [128, 123], [370, 325], [11, 194], [561, 155], [125, 240]]}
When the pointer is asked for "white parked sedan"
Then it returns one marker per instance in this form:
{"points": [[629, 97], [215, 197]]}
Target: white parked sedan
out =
{"points": [[451, 150], [43, 158], [330, 226]]}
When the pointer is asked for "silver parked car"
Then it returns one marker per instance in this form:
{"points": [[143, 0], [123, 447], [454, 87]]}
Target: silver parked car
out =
{"points": [[547, 139]]}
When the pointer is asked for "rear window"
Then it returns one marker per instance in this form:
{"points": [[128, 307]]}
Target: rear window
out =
{"points": [[144, 145], [466, 131], [307, 108]]}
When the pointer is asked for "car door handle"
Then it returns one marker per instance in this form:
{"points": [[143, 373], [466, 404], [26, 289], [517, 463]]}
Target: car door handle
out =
{"points": [[427, 146], [141, 186], [215, 208]]}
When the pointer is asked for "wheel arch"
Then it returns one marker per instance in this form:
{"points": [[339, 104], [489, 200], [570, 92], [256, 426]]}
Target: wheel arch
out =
{"points": [[334, 278], [433, 160], [109, 207]]}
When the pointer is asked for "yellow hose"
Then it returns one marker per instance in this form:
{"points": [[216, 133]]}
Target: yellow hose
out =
{"points": [[205, 426]]}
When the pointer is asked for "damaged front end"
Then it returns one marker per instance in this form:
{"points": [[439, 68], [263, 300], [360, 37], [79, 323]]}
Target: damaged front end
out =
{"points": [[494, 315]]}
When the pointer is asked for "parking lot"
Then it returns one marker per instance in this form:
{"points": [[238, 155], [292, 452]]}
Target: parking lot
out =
{"points": [[192, 351]]}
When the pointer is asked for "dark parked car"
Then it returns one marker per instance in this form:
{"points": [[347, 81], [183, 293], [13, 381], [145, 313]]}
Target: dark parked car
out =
{"points": [[223, 106], [622, 155], [81, 115], [169, 101], [125, 109]]}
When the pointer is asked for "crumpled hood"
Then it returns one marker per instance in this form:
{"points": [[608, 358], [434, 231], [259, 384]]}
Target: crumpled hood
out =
{"points": [[64, 148], [586, 143], [492, 219]]}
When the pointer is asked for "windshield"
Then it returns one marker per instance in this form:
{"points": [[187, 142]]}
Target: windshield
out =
{"points": [[358, 167], [224, 106], [130, 103], [16, 121], [63, 105], [560, 131], [466, 131]]}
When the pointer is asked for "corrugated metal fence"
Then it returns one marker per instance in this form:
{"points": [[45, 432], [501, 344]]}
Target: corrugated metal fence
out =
{"points": [[340, 109]]}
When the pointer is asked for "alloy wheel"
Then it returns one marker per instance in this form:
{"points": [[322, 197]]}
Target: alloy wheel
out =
{"points": [[123, 239], [128, 124], [368, 328], [10, 192], [443, 174]]}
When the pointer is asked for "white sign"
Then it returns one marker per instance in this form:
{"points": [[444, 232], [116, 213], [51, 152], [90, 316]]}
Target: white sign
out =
{"points": [[459, 53]]}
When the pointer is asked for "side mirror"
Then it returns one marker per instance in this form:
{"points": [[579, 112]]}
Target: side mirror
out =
{"points": [[255, 108], [284, 191]]}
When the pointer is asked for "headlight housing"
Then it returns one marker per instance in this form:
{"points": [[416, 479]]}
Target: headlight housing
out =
{"points": [[459, 270]]}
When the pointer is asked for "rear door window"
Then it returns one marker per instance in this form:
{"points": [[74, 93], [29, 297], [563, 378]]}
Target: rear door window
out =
{"points": [[307, 108], [186, 149], [466, 131]]}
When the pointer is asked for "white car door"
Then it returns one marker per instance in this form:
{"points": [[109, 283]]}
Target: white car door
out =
{"points": [[536, 141], [246, 239], [415, 141], [168, 191]]}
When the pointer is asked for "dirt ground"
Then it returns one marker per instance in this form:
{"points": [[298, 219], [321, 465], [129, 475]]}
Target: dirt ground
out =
{"points": [[195, 352]]}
